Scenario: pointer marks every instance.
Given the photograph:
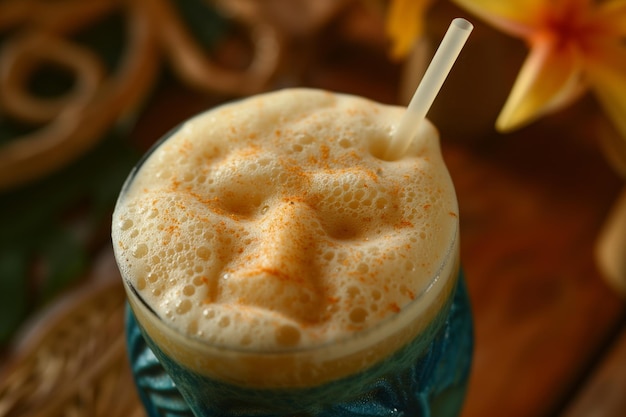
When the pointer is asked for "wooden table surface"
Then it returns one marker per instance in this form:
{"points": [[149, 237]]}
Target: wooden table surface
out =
{"points": [[547, 326], [550, 334]]}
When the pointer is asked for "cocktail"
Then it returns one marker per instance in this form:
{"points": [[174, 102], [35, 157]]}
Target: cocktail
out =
{"points": [[279, 260]]}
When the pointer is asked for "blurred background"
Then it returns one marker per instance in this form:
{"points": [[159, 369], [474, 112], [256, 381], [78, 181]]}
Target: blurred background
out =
{"points": [[86, 87]]}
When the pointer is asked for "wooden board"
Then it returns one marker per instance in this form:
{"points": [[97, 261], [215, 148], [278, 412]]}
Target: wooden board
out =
{"points": [[531, 206], [604, 394]]}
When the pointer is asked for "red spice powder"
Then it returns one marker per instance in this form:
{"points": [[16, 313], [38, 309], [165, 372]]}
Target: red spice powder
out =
{"points": [[394, 307]]}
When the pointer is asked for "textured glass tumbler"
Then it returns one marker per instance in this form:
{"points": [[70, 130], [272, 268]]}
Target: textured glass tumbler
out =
{"points": [[413, 363], [429, 382]]}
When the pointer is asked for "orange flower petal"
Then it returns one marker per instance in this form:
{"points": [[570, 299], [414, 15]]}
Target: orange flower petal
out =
{"points": [[614, 13], [549, 79], [405, 24], [515, 17], [607, 76]]}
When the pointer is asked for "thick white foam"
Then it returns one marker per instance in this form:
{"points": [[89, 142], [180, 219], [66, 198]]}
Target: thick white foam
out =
{"points": [[273, 224]]}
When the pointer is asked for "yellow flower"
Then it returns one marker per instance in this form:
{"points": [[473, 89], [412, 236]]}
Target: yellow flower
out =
{"points": [[575, 45], [405, 24]]}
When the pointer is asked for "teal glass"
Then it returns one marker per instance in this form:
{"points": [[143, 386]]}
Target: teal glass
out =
{"points": [[415, 381]]}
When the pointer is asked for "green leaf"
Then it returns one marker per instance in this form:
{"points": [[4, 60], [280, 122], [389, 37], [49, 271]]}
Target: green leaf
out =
{"points": [[65, 261], [203, 21], [13, 292], [54, 223]]}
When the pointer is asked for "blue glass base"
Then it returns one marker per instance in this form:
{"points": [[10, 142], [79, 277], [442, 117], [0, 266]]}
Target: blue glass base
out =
{"points": [[434, 385]]}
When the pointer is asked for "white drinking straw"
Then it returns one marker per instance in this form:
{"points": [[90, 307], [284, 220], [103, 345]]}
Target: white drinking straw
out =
{"points": [[429, 86]]}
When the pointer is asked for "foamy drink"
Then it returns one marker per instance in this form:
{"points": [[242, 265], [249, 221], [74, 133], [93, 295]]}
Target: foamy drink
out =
{"points": [[267, 246]]}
